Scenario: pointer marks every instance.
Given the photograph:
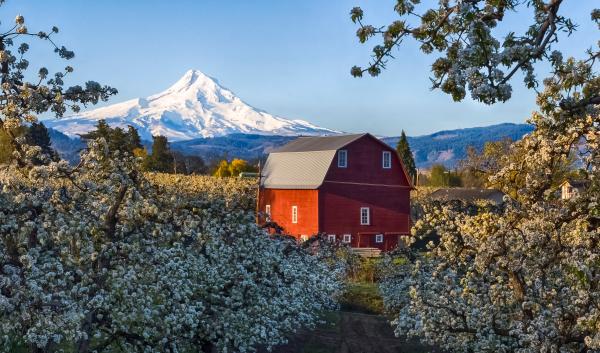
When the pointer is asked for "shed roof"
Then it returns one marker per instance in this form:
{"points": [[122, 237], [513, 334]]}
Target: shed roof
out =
{"points": [[303, 163], [577, 183]]}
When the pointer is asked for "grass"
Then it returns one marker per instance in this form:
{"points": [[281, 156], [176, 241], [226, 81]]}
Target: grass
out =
{"points": [[362, 297]]}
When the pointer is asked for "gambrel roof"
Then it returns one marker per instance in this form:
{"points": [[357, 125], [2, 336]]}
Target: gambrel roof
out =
{"points": [[318, 143], [304, 162]]}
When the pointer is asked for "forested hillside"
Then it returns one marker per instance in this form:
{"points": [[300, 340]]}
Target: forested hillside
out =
{"points": [[445, 147], [449, 146]]}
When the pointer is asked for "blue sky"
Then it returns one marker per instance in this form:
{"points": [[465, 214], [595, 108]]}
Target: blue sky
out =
{"points": [[290, 58]]}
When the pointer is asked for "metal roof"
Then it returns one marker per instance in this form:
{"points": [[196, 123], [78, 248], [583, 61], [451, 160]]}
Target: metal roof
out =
{"points": [[577, 183], [318, 143], [298, 170], [304, 162]]}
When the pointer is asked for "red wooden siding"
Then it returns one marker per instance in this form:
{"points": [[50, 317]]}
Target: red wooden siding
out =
{"points": [[365, 165], [339, 214], [282, 200], [334, 208]]}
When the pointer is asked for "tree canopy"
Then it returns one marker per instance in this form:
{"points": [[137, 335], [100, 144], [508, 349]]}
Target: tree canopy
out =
{"points": [[439, 176], [472, 58], [523, 277], [118, 139], [95, 257], [233, 168]]}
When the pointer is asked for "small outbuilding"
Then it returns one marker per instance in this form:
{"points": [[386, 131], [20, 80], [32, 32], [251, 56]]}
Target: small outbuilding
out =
{"points": [[353, 188], [572, 187]]}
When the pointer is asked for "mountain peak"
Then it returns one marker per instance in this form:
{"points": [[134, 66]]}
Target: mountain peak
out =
{"points": [[193, 79], [194, 106]]}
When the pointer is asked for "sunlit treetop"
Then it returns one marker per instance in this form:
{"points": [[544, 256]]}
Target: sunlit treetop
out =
{"points": [[471, 57]]}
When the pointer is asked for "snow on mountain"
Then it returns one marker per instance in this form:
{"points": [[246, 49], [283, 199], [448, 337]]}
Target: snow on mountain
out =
{"points": [[195, 106]]}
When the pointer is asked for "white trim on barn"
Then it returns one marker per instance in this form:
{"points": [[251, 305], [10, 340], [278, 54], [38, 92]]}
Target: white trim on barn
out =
{"points": [[365, 216], [294, 214]]}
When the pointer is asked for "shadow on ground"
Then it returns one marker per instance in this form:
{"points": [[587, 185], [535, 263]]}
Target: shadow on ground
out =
{"points": [[349, 332]]}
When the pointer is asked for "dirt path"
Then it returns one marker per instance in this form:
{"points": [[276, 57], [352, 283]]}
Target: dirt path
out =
{"points": [[348, 332]]}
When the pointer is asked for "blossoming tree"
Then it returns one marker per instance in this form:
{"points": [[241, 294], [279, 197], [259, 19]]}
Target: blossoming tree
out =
{"points": [[524, 278], [99, 258]]}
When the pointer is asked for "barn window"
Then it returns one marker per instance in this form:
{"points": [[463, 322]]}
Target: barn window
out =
{"points": [[347, 238], [294, 214], [342, 158], [268, 212], [387, 159], [365, 216], [304, 237], [331, 237], [379, 238]]}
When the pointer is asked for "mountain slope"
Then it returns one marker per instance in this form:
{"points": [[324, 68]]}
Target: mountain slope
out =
{"points": [[196, 106], [245, 146], [449, 146]]}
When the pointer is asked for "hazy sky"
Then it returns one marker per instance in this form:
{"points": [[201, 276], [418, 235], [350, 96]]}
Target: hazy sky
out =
{"points": [[290, 58]]}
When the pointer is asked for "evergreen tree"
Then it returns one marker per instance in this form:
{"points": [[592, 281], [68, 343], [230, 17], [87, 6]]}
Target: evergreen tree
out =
{"points": [[133, 138], [37, 135], [118, 139], [161, 158], [406, 156], [102, 130]]}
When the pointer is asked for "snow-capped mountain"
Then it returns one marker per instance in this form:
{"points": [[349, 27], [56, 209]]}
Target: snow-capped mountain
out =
{"points": [[195, 106]]}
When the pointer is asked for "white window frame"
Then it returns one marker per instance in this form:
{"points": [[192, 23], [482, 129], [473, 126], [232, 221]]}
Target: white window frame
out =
{"points": [[368, 216], [331, 238], [268, 210], [347, 238], [379, 238], [344, 160], [387, 154], [294, 214]]}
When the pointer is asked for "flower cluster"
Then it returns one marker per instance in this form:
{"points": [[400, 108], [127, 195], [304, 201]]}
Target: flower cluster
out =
{"points": [[101, 257], [472, 59], [108, 258], [522, 278]]}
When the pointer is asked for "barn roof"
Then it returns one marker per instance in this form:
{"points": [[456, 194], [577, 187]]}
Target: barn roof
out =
{"points": [[319, 143], [304, 162]]}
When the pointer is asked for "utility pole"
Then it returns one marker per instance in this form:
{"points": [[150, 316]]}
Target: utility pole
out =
{"points": [[417, 177]]}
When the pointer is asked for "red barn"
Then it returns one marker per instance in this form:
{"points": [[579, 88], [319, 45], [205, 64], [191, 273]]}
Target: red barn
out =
{"points": [[351, 187]]}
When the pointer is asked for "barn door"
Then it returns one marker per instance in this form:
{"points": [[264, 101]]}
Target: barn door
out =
{"points": [[364, 240]]}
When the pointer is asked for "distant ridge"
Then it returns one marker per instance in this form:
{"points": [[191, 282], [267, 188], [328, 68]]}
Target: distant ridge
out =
{"points": [[445, 147], [196, 106]]}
